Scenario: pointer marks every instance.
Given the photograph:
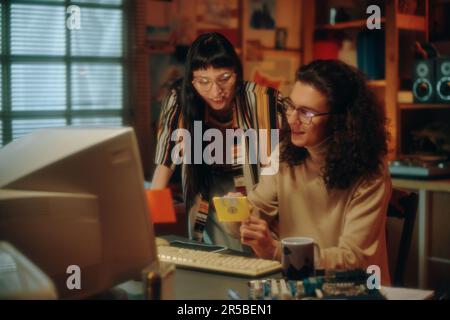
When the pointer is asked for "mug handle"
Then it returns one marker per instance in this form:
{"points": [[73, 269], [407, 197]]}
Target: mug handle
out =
{"points": [[316, 256]]}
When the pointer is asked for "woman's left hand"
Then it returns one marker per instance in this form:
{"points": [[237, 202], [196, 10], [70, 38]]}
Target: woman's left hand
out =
{"points": [[256, 234]]}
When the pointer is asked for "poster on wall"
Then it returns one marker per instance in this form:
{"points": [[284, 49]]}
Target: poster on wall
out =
{"points": [[170, 23], [275, 70], [219, 16]]}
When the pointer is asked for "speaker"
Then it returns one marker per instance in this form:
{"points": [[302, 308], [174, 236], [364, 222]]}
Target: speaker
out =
{"points": [[423, 81], [443, 80]]}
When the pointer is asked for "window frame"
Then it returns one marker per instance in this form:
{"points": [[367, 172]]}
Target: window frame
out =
{"points": [[7, 115]]}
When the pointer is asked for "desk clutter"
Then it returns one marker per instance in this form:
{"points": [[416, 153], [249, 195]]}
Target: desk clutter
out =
{"points": [[350, 284]]}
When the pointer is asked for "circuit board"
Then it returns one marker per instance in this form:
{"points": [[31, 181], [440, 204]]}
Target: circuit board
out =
{"points": [[328, 285]]}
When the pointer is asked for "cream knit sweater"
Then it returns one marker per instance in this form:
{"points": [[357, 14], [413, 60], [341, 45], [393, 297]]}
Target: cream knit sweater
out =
{"points": [[348, 225]]}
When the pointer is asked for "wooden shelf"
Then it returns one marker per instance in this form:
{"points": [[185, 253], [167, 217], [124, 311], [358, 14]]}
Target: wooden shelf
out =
{"points": [[404, 22], [429, 185], [411, 22], [159, 48], [171, 49], [394, 24], [168, 51], [418, 106], [356, 24], [287, 51], [377, 83]]}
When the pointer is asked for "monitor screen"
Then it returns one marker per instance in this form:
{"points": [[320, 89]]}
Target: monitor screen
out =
{"points": [[75, 197]]}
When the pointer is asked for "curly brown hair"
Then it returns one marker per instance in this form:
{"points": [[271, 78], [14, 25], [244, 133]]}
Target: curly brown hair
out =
{"points": [[358, 143]]}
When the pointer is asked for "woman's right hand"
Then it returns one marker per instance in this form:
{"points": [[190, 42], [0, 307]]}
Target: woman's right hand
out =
{"points": [[255, 233]]}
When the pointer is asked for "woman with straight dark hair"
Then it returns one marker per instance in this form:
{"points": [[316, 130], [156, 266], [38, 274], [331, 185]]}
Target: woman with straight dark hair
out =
{"points": [[214, 95], [333, 183]]}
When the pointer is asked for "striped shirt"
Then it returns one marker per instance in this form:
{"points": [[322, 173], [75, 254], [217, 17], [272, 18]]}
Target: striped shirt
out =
{"points": [[257, 107]]}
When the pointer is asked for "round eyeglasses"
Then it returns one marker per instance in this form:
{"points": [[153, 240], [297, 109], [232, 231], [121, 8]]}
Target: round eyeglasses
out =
{"points": [[304, 115], [205, 84]]}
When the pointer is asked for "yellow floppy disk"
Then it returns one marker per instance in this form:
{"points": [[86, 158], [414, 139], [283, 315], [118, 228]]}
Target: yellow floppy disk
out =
{"points": [[231, 209]]}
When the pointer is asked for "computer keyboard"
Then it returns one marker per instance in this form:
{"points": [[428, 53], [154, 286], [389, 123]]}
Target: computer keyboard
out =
{"points": [[217, 262]]}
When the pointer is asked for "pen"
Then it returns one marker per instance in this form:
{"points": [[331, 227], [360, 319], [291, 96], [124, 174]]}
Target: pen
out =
{"points": [[234, 295]]}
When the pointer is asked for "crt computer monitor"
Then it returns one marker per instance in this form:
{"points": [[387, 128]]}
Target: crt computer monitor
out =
{"points": [[75, 196]]}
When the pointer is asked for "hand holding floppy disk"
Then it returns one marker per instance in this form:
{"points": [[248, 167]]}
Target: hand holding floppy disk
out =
{"points": [[232, 208]]}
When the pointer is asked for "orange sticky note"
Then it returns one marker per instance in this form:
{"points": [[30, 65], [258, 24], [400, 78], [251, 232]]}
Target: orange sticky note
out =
{"points": [[161, 207]]}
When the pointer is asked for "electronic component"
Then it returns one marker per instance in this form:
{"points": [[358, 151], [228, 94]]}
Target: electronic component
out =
{"points": [[331, 284]]}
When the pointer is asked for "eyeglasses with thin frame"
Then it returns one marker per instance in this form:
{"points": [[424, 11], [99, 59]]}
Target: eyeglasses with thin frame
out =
{"points": [[304, 115], [225, 80]]}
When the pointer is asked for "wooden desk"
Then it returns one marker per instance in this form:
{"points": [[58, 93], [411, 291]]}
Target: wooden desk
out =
{"points": [[424, 187]]}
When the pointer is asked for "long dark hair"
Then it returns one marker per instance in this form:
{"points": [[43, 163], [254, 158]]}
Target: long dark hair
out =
{"points": [[208, 50], [358, 144]]}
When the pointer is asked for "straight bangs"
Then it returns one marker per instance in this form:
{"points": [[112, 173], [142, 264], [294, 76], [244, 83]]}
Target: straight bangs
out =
{"points": [[212, 56]]}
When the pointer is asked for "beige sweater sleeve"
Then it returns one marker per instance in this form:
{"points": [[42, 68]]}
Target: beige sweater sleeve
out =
{"points": [[363, 228], [264, 202], [264, 197]]}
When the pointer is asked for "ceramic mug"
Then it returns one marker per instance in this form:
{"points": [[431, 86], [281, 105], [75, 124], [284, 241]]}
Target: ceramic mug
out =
{"points": [[297, 257]]}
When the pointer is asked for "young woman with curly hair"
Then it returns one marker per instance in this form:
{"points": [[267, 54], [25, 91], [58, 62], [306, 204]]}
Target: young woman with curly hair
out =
{"points": [[333, 184]]}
